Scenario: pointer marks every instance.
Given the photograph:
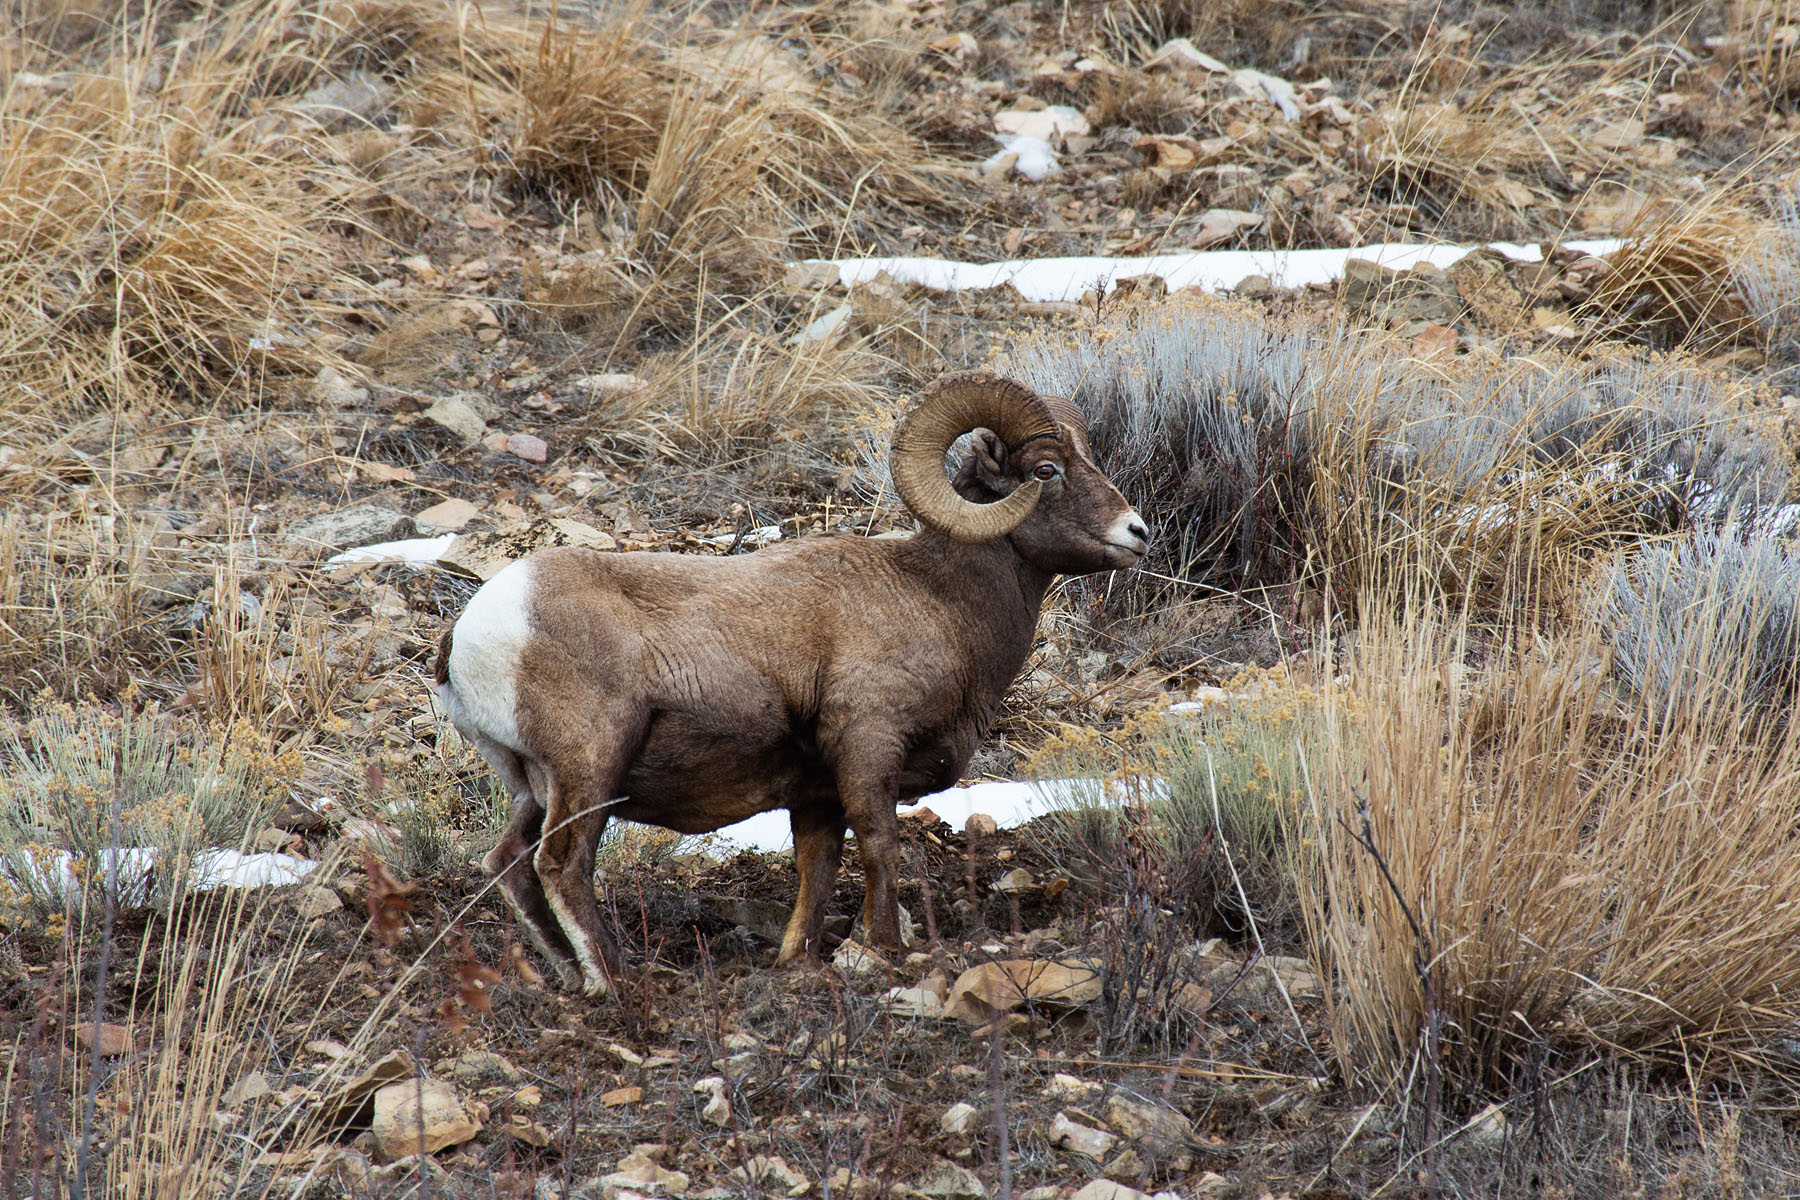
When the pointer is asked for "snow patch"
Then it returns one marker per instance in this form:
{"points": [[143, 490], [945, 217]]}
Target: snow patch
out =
{"points": [[1010, 802], [1036, 158], [1043, 280], [133, 870], [419, 551]]}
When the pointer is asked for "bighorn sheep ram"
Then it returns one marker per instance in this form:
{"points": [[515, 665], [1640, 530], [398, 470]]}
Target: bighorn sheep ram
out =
{"points": [[834, 676]]}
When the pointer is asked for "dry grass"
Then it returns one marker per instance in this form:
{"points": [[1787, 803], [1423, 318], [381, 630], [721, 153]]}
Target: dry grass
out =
{"points": [[703, 167], [1673, 282], [157, 242], [1531, 883]]}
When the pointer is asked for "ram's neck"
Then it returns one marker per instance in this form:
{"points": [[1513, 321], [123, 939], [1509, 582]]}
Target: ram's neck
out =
{"points": [[998, 590]]}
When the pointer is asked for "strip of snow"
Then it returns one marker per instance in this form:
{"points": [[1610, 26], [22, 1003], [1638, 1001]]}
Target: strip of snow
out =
{"points": [[1011, 803], [133, 868], [422, 551], [1053, 279]]}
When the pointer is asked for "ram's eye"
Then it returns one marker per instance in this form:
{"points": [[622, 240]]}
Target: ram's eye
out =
{"points": [[1045, 471]]}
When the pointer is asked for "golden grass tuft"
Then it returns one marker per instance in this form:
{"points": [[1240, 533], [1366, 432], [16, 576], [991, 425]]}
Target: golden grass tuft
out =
{"points": [[1585, 876], [1673, 282], [736, 401]]}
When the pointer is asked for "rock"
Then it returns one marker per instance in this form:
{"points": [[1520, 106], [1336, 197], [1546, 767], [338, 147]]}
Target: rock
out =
{"points": [[314, 901], [808, 277], [445, 517], [1488, 1128], [772, 1170], [411, 1175], [1068, 1087], [717, 1108], [522, 1128], [1152, 1126], [1107, 1189], [413, 1107], [982, 992], [250, 1088], [960, 1119], [1171, 152], [528, 446], [349, 1104], [356, 99], [854, 958], [951, 1182], [824, 328], [980, 825], [1181, 54], [1045, 124], [1066, 1134], [1260, 85], [113, 1040], [619, 1097], [1297, 976], [482, 1068], [359, 525], [639, 1172], [1222, 224], [915, 1002], [331, 387], [459, 417], [1481, 280], [1435, 343], [1015, 881], [960, 47], [1126, 1164]]}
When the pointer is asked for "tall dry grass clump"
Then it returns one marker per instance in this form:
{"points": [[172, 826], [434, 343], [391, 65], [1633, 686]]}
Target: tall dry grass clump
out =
{"points": [[704, 165], [1525, 864], [1674, 282], [158, 239]]}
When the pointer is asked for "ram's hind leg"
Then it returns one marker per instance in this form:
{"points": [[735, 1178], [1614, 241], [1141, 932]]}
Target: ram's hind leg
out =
{"points": [[509, 864], [818, 849], [576, 800]]}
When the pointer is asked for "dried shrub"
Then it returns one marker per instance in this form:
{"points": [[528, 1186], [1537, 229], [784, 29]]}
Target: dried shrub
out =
{"points": [[134, 799], [1709, 613], [1203, 800], [1263, 451]]}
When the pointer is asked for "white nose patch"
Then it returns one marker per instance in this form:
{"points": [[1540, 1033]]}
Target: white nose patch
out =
{"points": [[1129, 532]]}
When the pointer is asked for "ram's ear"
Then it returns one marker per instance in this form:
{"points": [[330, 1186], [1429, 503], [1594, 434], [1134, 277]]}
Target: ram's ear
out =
{"points": [[988, 458]]}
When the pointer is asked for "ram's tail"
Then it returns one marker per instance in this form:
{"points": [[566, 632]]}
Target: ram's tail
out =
{"points": [[441, 671]]}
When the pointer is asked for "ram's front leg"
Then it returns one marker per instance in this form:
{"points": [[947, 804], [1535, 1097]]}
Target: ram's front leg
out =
{"points": [[818, 849], [869, 788]]}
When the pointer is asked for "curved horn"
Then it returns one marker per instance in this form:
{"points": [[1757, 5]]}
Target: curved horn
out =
{"points": [[951, 407], [1066, 411]]}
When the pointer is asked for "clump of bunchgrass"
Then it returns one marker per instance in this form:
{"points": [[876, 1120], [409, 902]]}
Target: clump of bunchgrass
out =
{"points": [[153, 242], [1673, 281], [96, 801], [1523, 872], [776, 416]]}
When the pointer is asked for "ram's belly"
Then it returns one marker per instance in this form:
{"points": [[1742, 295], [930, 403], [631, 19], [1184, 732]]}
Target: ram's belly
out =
{"points": [[689, 780]]}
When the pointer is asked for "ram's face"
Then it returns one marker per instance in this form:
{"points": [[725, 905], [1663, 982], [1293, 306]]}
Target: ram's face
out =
{"points": [[1081, 523]]}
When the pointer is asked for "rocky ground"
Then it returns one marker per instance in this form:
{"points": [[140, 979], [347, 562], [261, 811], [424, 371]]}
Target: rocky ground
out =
{"points": [[498, 309]]}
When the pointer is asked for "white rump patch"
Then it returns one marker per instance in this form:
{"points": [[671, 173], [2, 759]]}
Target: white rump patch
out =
{"points": [[489, 640]]}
